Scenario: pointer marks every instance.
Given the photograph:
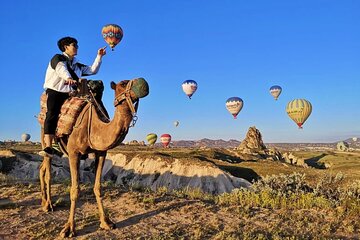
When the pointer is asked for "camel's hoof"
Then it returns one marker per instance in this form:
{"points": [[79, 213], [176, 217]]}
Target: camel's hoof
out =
{"points": [[47, 207], [107, 225], [68, 231], [43, 202]]}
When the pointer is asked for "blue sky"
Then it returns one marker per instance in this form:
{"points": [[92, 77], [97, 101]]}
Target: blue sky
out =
{"points": [[231, 48]]}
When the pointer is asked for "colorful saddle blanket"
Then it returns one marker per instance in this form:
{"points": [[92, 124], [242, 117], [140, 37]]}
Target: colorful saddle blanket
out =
{"points": [[70, 111]]}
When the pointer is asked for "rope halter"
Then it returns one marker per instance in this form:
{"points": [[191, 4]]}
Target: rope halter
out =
{"points": [[126, 95]]}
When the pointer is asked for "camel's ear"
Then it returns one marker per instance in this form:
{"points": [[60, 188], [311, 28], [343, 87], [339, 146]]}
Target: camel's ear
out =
{"points": [[113, 85]]}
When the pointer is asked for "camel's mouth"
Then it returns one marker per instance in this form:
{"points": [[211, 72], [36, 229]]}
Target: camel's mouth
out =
{"points": [[140, 87]]}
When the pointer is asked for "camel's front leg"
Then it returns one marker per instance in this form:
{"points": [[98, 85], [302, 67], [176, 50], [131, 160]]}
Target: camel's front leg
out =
{"points": [[69, 228], [105, 222], [45, 184]]}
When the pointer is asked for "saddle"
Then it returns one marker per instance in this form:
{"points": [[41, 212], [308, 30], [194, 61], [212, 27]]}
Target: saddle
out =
{"points": [[88, 92]]}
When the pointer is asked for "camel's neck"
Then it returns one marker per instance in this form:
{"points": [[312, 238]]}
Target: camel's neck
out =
{"points": [[104, 136]]}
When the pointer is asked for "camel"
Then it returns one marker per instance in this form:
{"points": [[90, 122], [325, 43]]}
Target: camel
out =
{"points": [[93, 135]]}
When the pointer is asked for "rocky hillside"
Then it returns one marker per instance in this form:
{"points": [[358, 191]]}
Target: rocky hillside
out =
{"points": [[145, 171]]}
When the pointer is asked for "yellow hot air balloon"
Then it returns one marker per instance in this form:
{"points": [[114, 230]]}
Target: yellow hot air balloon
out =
{"points": [[151, 138], [112, 34], [299, 110]]}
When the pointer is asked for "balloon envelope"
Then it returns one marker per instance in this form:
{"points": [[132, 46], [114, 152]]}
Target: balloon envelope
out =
{"points": [[176, 123], [234, 105], [25, 137], [299, 110], [151, 138], [275, 91], [189, 87], [165, 139], [112, 34]]}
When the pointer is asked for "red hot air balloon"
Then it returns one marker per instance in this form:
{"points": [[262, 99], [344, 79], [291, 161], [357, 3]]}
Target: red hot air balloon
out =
{"points": [[165, 139], [112, 34]]}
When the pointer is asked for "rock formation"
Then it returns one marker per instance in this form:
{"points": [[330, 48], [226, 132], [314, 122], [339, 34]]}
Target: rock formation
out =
{"points": [[253, 148], [292, 159], [151, 172], [253, 142], [174, 174], [342, 146]]}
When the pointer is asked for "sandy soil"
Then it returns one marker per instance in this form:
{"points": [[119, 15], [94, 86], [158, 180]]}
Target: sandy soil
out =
{"points": [[146, 215], [136, 214]]}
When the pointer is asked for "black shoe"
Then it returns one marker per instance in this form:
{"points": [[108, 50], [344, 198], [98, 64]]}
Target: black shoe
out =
{"points": [[47, 152], [56, 150]]}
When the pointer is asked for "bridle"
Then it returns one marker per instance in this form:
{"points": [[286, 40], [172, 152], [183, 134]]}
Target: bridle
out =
{"points": [[126, 95]]}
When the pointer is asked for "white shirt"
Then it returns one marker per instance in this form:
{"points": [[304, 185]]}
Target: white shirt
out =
{"points": [[57, 72]]}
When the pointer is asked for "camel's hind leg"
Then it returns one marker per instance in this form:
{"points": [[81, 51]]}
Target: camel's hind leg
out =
{"points": [[105, 222], [45, 180]]}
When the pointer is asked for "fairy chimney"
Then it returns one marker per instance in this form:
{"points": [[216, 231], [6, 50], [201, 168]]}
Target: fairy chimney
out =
{"points": [[252, 143]]}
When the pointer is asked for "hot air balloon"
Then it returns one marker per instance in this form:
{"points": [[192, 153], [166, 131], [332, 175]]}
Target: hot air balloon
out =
{"points": [[25, 137], [151, 138], [189, 87], [176, 123], [354, 139], [275, 91], [165, 139], [112, 34], [299, 110], [234, 105]]}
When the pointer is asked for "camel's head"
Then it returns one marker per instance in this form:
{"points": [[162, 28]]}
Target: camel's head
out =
{"points": [[131, 91], [136, 88]]}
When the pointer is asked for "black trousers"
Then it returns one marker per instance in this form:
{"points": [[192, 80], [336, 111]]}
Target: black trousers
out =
{"points": [[54, 102]]}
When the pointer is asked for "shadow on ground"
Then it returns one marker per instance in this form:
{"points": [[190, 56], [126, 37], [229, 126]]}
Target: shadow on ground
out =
{"points": [[314, 161], [137, 218], [241, 172]]}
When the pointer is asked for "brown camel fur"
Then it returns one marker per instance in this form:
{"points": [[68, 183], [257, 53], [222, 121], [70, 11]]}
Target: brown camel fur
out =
{"points": [[91, 135]]}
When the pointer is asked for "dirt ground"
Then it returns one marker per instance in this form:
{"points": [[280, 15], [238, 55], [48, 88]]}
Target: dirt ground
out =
{"points": [[148, 215], [137, 215]]}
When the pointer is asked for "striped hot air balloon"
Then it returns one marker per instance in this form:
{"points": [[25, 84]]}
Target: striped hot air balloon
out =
{"points": [[189, 87], [112, 34], [234, 105], [275, 91], [165, 139], [151, 138], [299, 110]]}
